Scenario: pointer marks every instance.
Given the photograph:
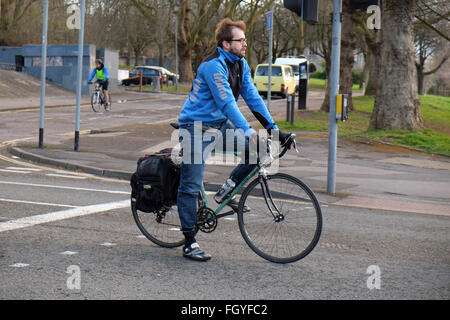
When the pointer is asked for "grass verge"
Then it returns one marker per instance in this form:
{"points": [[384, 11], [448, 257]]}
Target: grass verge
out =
{"points": [[435, 137], [319, 84]]}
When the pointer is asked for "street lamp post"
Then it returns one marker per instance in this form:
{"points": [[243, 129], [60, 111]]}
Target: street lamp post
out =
{"points": [[176, 9]]}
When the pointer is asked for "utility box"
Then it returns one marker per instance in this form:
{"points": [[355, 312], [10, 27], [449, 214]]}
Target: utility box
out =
{"points": [[303, 84], [342, 107]]}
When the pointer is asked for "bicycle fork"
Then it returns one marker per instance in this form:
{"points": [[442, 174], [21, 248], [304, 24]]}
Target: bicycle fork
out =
{"points": [[277, 215]]}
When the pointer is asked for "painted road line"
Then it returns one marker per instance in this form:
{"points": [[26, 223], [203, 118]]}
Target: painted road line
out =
{"points": [[61, 215], [37, 203], [14, 171], [65, 176], [25, 169], [90, 176], [19, 265], [68, 253], [108, 244], [63, 187]]}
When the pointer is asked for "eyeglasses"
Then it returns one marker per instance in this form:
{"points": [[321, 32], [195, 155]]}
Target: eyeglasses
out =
{"points": [[242, 41]]}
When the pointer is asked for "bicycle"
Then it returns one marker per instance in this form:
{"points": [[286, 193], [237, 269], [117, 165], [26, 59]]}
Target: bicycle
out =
{"points": [[286, 205], [98, 99]]}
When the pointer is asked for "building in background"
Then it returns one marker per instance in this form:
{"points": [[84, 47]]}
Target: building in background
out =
{"points": [[62, 62]]}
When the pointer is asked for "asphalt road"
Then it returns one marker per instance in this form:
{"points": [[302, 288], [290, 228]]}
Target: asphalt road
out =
{"points": [[52, 221], [102, 241]]}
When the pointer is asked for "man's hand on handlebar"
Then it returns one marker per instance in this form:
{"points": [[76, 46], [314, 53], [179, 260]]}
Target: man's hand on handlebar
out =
{"points": [[283, 137]]}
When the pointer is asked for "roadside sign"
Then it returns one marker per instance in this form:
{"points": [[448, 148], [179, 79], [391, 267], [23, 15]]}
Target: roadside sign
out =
{"points": [[269, 19]]}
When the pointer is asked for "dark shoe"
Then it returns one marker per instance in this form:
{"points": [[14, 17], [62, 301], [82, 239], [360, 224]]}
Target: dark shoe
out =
{"points": [[195, 253], [234, 204]]}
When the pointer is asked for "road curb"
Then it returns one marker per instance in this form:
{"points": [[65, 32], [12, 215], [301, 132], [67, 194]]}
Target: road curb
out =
{"points": [[107, 173]]}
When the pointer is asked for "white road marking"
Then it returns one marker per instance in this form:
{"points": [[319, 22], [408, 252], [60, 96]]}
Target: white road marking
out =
{"points": [[68, 253], [61, 215], [231, 219], [14, 171], [108, 244], [64, 176], [38, 203], [62, 187], [174, 229], [22, 168], [19, 265], [141, 236]]}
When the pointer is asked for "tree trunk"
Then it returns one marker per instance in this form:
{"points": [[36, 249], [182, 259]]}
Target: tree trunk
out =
{"points": [[372, 82], [368, 63], [348, 46], [185, 59], [420, 79], [397, 104], [326, 101]]}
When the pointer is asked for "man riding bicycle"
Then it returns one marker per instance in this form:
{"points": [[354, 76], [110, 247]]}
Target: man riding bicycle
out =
{"points": [[102, 78], [220, 79]]}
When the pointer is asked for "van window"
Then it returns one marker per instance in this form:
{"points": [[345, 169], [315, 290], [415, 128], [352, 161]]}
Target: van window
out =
{"points": [[264, 71], [288, 72], [295, 68]]}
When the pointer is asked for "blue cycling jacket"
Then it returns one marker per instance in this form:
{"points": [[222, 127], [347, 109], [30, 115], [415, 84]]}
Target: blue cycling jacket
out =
{"points": [[212, 99], [102, 74]]}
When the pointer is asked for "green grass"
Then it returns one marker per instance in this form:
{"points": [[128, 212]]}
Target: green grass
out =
{"points": [[435, 137], [319, 84], [125, 67]]}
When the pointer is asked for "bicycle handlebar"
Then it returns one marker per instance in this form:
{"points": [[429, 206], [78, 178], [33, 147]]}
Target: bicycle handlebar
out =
{"points": [[290, 141]]}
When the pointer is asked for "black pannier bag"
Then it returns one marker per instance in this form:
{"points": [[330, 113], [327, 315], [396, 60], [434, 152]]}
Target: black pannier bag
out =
{"points": [[154, 185]]}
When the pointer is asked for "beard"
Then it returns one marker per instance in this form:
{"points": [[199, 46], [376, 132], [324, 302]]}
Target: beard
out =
{"points": [[239, 53]]}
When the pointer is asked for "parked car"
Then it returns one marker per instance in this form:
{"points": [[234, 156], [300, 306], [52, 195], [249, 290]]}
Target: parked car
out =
{"points": [[148, 73], [283, 80], [294, 62], [167, 75]]}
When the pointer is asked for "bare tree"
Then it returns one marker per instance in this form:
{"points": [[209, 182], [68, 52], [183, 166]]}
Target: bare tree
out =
{"points": [[431, 31]]}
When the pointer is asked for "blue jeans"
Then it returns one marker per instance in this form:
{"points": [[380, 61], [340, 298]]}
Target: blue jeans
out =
{"points": [[194, 154]]}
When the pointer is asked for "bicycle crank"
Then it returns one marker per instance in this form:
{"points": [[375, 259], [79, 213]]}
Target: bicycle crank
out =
{"points": [[206, 220]]}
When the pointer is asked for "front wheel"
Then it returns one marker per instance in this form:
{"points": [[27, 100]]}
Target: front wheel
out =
{"points": [[285, 220], [96, 102]]}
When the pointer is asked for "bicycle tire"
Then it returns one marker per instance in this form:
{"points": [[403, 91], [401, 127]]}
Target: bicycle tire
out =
{"points": [[96, 105], [150, 235], [108, 108], [245, 223]]}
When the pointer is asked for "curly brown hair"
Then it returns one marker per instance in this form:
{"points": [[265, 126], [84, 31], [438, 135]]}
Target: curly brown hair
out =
{"points": [[224, 29]]}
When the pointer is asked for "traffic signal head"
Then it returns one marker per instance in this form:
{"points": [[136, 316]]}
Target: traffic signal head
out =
{"points": [[362, 4], [305, 9]]}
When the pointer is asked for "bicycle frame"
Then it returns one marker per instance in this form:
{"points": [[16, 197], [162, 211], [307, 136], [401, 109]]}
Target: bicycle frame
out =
{"points": [[266, 191]]}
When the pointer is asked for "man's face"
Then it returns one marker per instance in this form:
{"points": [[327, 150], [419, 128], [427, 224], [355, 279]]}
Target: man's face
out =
{"points": [[98, 65], [236, 47]]}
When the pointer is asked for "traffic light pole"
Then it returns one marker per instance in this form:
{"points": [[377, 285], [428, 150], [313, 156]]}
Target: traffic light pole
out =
{"points": [[43, 75], [79, 76], [334, 88]]}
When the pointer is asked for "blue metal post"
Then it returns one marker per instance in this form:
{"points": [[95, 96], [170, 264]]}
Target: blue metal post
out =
{"points": [[43, 75], [79, 75], [334, 87]]}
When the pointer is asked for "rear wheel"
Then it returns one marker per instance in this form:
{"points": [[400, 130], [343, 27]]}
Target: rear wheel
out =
{"points": [[108, 107], [162, 228]]}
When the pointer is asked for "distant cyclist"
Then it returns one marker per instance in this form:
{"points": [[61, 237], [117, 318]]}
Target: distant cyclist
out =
{"points": [[102, 78]]}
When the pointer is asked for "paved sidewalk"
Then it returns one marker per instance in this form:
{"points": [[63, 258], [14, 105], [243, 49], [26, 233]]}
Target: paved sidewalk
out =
{"points": [[368, 175], [69, 100]]}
